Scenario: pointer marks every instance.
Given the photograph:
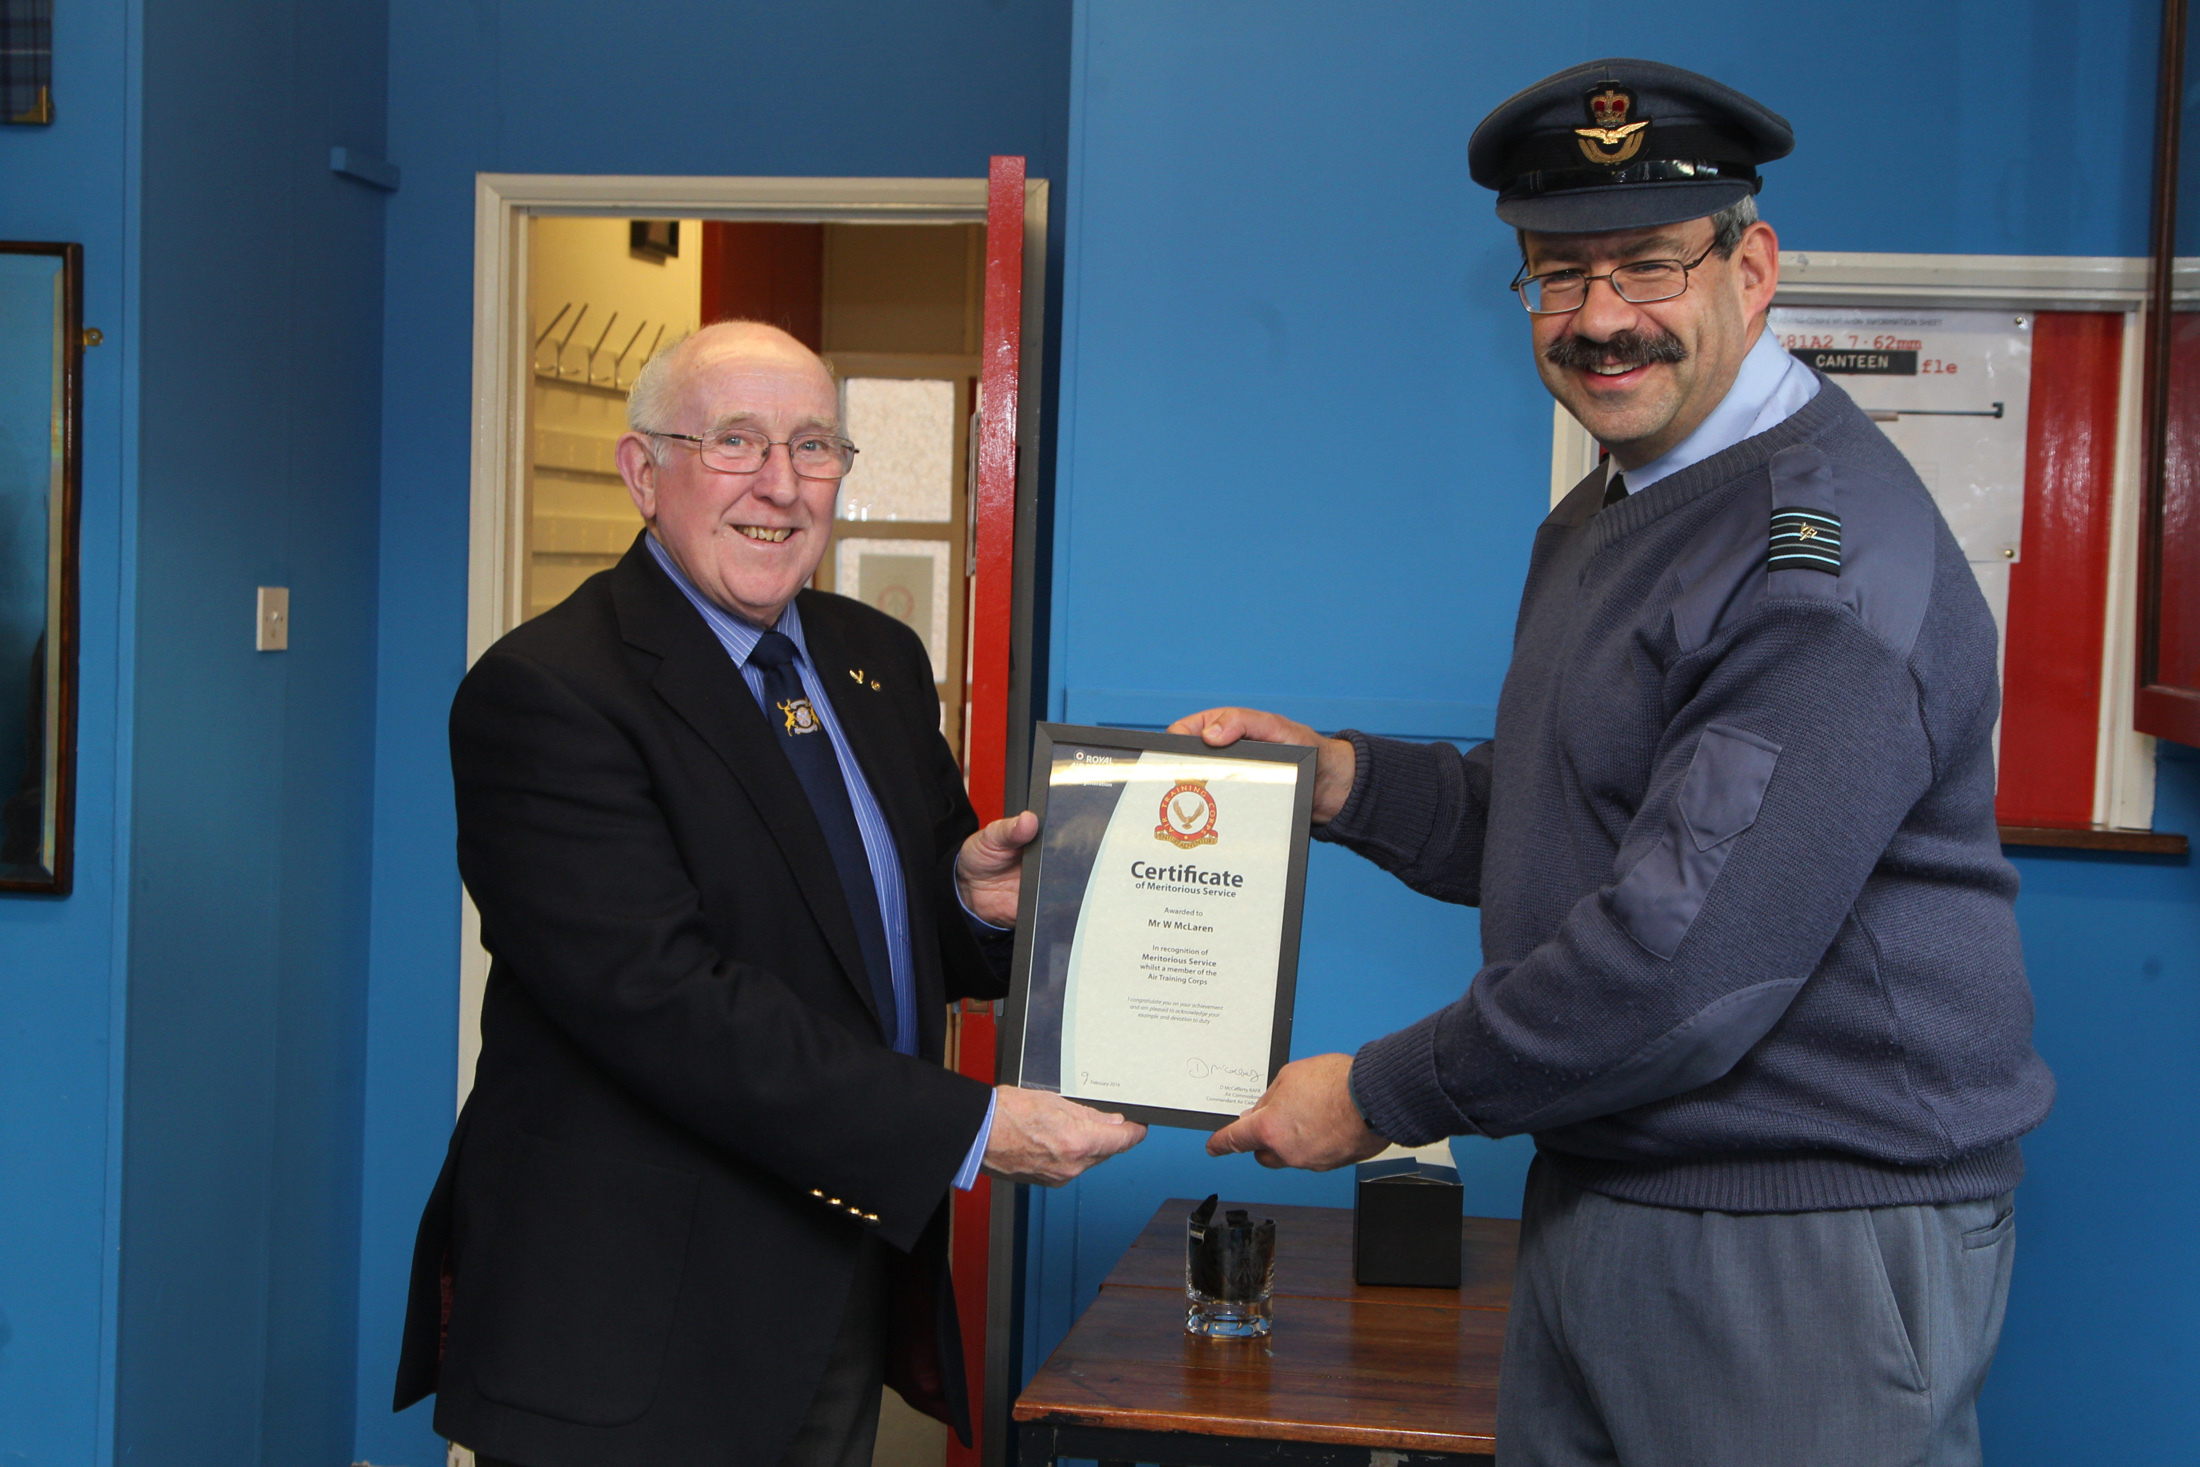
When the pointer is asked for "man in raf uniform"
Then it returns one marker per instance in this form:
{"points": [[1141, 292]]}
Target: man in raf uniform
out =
{"points": [[1752, 977]]}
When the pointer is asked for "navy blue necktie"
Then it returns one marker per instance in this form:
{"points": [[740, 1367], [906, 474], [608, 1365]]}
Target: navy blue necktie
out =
{"points": [[1615, 491], [810, 749]]}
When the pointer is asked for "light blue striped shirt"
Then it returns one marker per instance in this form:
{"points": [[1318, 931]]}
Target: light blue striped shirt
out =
{"points": [[739, 638]]}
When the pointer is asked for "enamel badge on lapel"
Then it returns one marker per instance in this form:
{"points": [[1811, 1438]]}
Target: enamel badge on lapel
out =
{"points": [[801, 717], [1610, 137]]}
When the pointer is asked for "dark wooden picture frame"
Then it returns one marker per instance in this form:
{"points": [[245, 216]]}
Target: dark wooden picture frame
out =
{"points": [[1012, 1036], [2162, 706], [658, 239], [41, 801]]}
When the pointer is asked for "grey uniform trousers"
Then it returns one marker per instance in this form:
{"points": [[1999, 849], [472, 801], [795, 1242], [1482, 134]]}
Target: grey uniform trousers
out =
{"points": [[1663, 1337]]}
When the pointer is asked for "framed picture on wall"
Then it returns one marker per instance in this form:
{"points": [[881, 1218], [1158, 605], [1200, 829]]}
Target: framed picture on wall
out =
{"points": [[26, 61], [906, 579], [41, 356]]}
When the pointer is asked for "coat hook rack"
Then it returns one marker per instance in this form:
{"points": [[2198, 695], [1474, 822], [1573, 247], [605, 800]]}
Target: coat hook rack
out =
{"points": [[552, 365]]}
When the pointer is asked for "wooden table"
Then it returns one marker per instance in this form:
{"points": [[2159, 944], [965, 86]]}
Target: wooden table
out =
{"points": [[1349, 1377]]}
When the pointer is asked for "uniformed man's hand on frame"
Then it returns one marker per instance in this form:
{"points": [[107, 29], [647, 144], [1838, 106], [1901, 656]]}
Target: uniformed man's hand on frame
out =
{"points": [[1334, 769], [1306, 1119]]}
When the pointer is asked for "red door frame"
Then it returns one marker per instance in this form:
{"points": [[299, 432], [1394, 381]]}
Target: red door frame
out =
{"points": [[992, 630]]}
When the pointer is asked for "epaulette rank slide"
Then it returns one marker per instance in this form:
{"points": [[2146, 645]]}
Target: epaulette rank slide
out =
{"points": [[1803, 539]]}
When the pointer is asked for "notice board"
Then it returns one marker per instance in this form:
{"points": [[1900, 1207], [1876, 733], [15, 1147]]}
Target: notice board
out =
{"points": [[1953, 390]]}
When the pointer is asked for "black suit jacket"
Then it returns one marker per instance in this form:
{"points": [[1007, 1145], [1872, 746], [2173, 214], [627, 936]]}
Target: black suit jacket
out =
{"points": [[686, 1115]]}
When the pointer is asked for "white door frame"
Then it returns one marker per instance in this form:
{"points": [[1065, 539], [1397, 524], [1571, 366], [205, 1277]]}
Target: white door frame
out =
{"points": [[505, 205]]}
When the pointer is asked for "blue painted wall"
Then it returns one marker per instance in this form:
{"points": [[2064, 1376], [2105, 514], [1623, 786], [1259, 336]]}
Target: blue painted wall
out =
{"points": [[1272, 241], [2098, 1358], [260, 376], [61, 960], [551, 87], [178, 1258]]}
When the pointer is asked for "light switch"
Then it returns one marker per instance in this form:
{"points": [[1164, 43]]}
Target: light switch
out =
{"points": [[274, 633]]}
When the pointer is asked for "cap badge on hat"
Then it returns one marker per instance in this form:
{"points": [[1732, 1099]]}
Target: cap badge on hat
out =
{"points": [[1610, 137]]}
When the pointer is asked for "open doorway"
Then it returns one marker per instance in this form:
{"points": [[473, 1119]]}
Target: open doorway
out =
{"points": [[896, 309], [929, 301]]}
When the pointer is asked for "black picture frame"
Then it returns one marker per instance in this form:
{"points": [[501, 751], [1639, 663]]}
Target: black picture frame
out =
{"points": [[658, 239], [1014, 1019], [41, 797]]}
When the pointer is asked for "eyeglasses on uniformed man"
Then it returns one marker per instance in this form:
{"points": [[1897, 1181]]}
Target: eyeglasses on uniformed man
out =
{"points": [[1556, 292]]}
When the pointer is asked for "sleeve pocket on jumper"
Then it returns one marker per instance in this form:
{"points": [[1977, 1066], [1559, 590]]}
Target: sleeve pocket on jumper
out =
{"points": [[1659, 896]]}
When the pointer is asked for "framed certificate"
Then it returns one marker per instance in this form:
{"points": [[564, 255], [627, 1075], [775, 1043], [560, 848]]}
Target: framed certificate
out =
{"points": [[1157, 933]]}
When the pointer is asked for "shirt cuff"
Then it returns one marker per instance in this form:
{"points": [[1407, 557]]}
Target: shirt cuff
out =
{"points": [[968, 1176], [978, 924]]}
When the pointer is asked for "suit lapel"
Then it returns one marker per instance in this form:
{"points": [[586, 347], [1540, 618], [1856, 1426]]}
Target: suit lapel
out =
{"points": [[699, 682]]}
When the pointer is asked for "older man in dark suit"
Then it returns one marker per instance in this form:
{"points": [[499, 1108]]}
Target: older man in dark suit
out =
{"points": [[695, 1210]]}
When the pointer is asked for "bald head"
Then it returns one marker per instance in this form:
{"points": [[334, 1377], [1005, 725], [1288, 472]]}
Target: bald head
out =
{"points": [[657, 385]]}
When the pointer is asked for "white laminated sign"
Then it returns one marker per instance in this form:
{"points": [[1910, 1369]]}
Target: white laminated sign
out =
{"points": [[1953, 390]]}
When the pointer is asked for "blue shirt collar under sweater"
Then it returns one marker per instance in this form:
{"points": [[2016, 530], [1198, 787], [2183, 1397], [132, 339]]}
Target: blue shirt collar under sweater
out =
{"points": [[1768, 389]]}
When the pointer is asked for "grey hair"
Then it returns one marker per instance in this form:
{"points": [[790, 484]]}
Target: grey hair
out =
{"points": [[647, 399], [1731, 223], [1727, 227]]}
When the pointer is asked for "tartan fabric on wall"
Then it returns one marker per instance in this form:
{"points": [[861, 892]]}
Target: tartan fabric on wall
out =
{"points": [[26, 60]]}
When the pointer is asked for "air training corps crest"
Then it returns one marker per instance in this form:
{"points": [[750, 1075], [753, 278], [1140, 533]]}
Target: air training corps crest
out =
{"points": [[1611, 137], [1188, 813]]}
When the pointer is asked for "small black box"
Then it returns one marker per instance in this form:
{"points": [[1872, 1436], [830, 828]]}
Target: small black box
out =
{"points": [[1405, 1223]]}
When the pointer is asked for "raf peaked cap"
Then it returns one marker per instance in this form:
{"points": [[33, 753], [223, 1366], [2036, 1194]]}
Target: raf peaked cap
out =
{"points": [[1622, 144]]}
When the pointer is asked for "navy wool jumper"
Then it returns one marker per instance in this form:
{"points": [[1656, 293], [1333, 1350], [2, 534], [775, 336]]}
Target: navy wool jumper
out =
{"points": [[1748, 934]]}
